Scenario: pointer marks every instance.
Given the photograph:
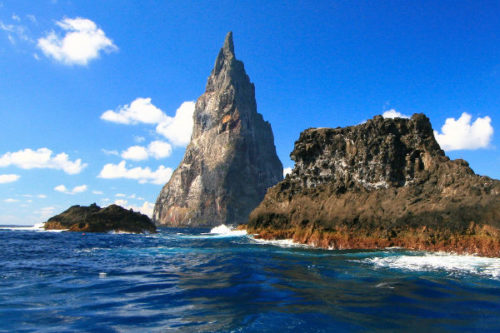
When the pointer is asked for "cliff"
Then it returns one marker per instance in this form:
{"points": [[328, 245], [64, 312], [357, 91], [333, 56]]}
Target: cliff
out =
{"points": [[379, 184], [96, 219], [231, 159]]}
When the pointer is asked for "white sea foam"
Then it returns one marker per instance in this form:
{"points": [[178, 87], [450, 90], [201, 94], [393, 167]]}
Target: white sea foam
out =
{"points": [[225, 231], [279, 242], [440, 261], [36, 227]]}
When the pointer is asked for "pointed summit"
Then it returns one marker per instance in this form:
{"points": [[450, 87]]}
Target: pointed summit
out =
{"points": [[228, 47], [231, 160]]}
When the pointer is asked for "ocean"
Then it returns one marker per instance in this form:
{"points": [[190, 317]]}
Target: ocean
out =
{"points": [[184, 280]]}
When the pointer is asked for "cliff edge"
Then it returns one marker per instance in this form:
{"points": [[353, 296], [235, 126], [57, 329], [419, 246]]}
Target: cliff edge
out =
{"points": [[383, 183]]}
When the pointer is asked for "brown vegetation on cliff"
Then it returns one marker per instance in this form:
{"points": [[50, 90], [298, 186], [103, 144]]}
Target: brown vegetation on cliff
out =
{"points": [[382, 183]]}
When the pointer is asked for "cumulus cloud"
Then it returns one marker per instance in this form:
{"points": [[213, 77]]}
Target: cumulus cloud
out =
{"points": [[394, 114], [82, 41], [460, 133], [287, 171], [143, 175], [10, 200], [176, 129], [146, 208], [141, 110], [41, 159], [135, 153], [75, 190], [157, 149], [41, 196], [8, 178], [97, 192]]}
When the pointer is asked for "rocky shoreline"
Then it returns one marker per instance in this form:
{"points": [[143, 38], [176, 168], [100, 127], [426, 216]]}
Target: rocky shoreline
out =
{"points": [[380, 184]]}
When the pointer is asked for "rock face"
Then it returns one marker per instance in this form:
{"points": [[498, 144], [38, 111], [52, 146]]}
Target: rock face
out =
{"points": [[96, 219], [231, 160], [382, 183]]}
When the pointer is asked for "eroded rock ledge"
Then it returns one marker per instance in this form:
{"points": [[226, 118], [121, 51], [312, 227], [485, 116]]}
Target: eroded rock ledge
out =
{"points": [[382, 183], [96, 219]]}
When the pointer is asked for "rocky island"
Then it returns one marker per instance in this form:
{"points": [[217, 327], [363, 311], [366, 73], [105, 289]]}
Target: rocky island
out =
{"points": [[231, 160], [96, 219], [381, 184]]}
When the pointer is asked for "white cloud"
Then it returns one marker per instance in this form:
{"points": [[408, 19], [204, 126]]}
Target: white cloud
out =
{"points": [[146, 208], [15, 30], [135, 153], [141, 110], [32, 18], [41, 196], [16, 18], [142, 175], [287, 171], [83, 41], [394, 114], [45, 212], [77, 189], [8, 178], [157, 149], [110, 152], [41, 158], [10, 200], [462, 134], [176, 129], [97, 192], [179, 128], [120, 195], [139, 139]]}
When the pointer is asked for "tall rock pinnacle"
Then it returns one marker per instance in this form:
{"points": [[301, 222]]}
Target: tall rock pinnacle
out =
{"points": [[231, 159]]}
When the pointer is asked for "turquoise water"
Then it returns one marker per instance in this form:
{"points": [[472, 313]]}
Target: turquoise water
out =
{"points": [[189, 281]]}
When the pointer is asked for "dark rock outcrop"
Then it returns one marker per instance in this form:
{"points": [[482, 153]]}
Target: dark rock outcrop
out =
{"points": [[382, 183], [96, 219], [231, 160]]}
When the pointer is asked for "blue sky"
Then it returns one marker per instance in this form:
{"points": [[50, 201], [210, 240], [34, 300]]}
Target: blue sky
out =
{"points": [[84, 81]]}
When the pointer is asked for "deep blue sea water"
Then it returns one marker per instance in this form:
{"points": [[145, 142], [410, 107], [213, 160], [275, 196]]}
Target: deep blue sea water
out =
{"points": [[188, 281]]}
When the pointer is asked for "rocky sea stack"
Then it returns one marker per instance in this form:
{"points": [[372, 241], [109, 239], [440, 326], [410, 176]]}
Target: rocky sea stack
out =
{"points": [[380, 184], [96, 219], [231, 160]]}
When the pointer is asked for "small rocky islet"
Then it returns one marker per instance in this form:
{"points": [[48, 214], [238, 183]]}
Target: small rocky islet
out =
{"points": [[96, 219]]}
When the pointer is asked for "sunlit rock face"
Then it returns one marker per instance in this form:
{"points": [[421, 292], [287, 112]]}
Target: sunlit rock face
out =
{"points": [[231, 160], [382, 183]]}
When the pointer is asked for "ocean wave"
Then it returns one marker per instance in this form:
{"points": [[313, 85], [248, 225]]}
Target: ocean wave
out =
{"points": [[280, 242], [37, 227], [440, 261], [221, 231]]}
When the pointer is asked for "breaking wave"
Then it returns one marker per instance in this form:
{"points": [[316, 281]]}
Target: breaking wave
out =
{"points": [[223, 230], [36, 227], [451, 263]]}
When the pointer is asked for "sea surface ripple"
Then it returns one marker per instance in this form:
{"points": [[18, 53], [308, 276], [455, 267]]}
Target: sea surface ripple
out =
{"points": [[196, 281]]}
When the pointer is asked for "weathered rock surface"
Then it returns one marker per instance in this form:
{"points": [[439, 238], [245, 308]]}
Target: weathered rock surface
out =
{"points": [[382, 183], [96, 219], [231, 160]]}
